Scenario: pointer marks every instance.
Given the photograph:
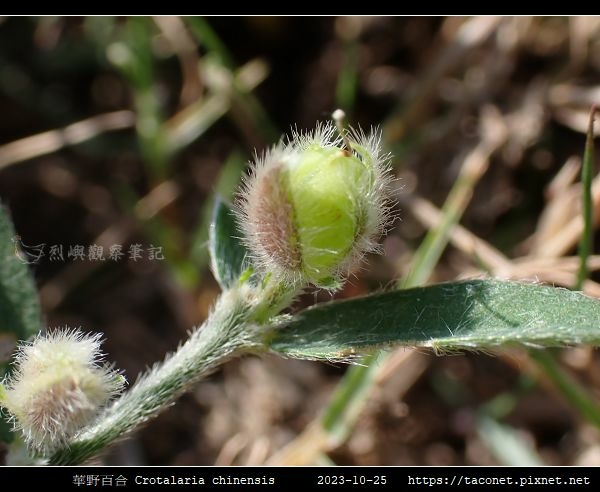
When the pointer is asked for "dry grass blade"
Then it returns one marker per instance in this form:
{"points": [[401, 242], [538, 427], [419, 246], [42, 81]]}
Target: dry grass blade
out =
{"points": [[472, 33], [53, 140]]}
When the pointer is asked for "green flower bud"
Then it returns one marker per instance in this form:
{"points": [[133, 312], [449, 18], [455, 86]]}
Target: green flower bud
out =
{"points": [[313, 207], [58, 385]]}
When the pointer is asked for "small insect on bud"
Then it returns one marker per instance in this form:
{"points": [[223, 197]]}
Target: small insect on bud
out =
{"points": [[311, 208], [58, 385]]}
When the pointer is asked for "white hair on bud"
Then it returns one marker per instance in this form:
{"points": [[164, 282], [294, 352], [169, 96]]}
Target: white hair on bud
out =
{"points": [[379, 217], [58, 385], [266, 214]]}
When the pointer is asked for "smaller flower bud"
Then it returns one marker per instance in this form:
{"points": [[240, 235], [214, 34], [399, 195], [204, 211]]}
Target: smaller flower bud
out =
{"points": [[313, 207], [58, 385]]}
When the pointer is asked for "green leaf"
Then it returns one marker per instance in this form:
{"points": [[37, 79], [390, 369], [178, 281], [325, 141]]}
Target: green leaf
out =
{"points": [[474, 314], [19, 306], [227, 181], [227, 252]]}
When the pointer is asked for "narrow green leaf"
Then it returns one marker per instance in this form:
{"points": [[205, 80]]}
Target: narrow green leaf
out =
{"points": [[587, 171], [227, 252], [208, 38], [19, 305], [572, 390], [347, 82], [474, 314]]}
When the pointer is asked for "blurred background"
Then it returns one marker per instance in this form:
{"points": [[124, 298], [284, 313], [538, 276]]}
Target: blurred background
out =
{"points": [[118, 133]]}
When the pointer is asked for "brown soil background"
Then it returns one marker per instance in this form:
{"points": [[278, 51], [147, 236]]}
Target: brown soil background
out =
{"points": [[516, 89]]}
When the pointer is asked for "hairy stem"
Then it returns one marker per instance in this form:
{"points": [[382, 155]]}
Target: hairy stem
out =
{"points": [[228, 332]]}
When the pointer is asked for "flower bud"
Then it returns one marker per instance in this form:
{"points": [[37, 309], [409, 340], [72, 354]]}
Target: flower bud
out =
{"points": [[58, 385], [313, 207]]}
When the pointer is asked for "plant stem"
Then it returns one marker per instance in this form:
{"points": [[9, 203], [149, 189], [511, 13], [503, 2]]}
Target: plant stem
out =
{"points": [[226, 333]]}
